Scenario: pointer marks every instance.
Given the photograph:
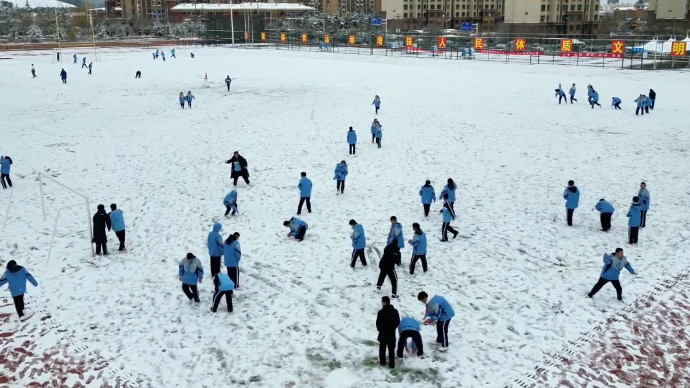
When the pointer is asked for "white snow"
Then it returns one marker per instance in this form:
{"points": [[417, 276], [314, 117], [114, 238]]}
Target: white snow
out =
{"points": [[517, 276], [43, 4]]}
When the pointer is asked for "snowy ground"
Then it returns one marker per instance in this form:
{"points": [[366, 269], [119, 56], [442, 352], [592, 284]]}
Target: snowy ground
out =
{"points": [[517, 277]]}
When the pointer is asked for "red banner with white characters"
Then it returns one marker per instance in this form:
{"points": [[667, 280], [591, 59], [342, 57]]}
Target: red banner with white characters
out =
{"points": [[503, 52]]}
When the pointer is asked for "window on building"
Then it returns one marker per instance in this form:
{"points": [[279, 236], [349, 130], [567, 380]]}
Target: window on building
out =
{"points": [[579, 7], [542, 18], [543, 7], [578, 27], [463, 14], [548, 7], [405, 6], [570, 27], [457, 14], [405, 15], [572, 7], [596, 17]]}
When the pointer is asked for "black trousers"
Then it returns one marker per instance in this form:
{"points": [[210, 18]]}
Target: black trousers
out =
{"points": [[121, 237], [569, 213], [358, 254], [33, 72], [300, 233], [445, 228], [19, 304], [340, 185], [572, 99], [64, 80], [413, 263], [189, 103], [638, 110], [633, 233], [182, 105], [646, 109], [602, 282], [137, 75], [605, 221], [377, 110], [373, 138], [653, 102], [244, 176], [427, 207], [416, 338], [378, 142], [595, 103], [562, 97], [442, 333], [89, 71], [6, 181], [218, 295], [643, 219], [390, 346], [352, 149], [228, 209], [215, 265], [302, 200], [228, 86], [617, 106], [392, 276], [234, 274], [101, 245], [192, 291]]}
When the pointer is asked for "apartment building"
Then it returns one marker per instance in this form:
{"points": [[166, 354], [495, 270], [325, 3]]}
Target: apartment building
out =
{"points": [[345, 7], [552, 16], [670, 9], [443, 13]]}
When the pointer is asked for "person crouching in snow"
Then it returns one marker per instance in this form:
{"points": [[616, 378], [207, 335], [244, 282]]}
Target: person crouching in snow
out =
{"points": [[438, 312], [232, 254], [190, 272], [613, 264], [189, 99], [561, 95], [298, 228], [182, 100], [616, 103], [595, 99], [17, 276], [223, 288], [606, 210], [409, 329], [230, 202]]}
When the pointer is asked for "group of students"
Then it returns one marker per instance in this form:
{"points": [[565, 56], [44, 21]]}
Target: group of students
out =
{"points": [[637, 212], [161, 53], [103, 221], [188, 99], [645, 103]]}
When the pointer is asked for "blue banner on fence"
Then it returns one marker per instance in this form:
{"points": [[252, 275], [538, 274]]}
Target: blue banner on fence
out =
{"points": [[638, 49], [376, 22]]}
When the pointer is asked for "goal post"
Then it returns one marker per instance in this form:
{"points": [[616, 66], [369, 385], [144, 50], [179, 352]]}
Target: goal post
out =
{"points": [[87, 204]]}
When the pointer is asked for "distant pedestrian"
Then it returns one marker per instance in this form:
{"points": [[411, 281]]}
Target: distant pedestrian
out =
{"points": [[138, 74], [390, 258], [340, 176], [232, 254], [645, 201], [438, 312], [228, 81], [616, 103], [572, 94], [83, 62], [90, 67], [304, 187], [101, 221], [606, 212], [374, 125], [396, 233], [641, 102], [352, 140], [634, 220], [5, 167], [223, 287], [449, 189], [63, 76], [189, 99], [418, 243], [561, 94], [571, 194], [17, 276], [117, 221], [182, 99], [359, 242], [428, 195], [172, 54], [387, 321], [595, 99], [647, 104], [74, 58], [613, 264], [190, 272], [652, 96], [33, 71], [377, 103], [378, 134]]}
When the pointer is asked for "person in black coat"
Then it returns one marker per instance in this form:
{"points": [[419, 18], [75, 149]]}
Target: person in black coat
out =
{"points": [[238, 165], [387, 322], [101, 221], [652, 96], [391, 258]]}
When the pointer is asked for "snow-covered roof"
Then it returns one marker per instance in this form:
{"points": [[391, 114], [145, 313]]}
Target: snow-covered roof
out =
{"points": [[42, 4], [288, 7], [661, 46]]}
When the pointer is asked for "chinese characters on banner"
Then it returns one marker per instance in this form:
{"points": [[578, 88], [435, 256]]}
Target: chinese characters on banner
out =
{"points": [[566, 46], [351, 39], [478, 43], [327, 39], [618, 47], [520, 44], [305, 38], [679, 49], [379, 40], [283, 37], [442, 42], [506, 52], [263, 36], [409, 41]]}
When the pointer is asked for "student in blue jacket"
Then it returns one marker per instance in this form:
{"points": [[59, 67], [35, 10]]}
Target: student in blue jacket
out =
{"points": [[230, 202], [448, 216], [189, 96], [90, 67], [17, 276], [590, 91], [613, 264], [215, 247], [374, 125], [298, 228], [182, 99], [74, 59], [572, 94], [605, 210], [396, 233], [595, 99], [5, 166], [418, 243], [352, 140], [340, 176], [571, 194], [117, 221], [359, 242], [190, 273], [428, 196], [377, 103], [438, 312], [641, 101], [449, 189], [634, 220], [378, 134], [223, 288], [561, 94], [647, 104], [304, 187], [645, 201], [616, 103], [409, 328], [232, 254], [172, 54]]}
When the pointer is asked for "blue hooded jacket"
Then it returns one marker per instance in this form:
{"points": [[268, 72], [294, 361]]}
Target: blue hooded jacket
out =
{"points": [[378, 132], [295, 224], [408, 323], [572, 197], [191, 271], [615, 101], [117, 220], [351, 137], [189, 97], [572, 91], [560, 91], [419, 243], [17, 276], [304, 187], [377, 102], [182, 99], [232, 254], [215, 241], [224, 282], [359, 240], [604, 207], [340, 172], [396, 232], [613, 266], [635, 215], [428, 194], [438, 309], [450, 192], [5, 164], [373, 129], [645, 200], [641, 101], [648, 101], [448, 213], [231, 198], [595, 96]]}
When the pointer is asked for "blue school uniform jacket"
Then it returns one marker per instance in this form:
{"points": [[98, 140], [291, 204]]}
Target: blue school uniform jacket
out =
{"points": [[448, 214], [351, 137], [359, 240], [595, 96], [191, 271], [232, 254], [224, 282], [117, 220], [615, 101], [640, 102], [645, 200], [572, 197], [408, 323], [450, 192], [5, 164], [304, 187], [378, 132], [428, 194], [604, 207], [438, 309], [572, 91], [340, 172], [613, 266], [231, 198], [295, 224], [377, 102], [635, 215], [17, 277], [419, 243], [215, 241], [396, 232]]}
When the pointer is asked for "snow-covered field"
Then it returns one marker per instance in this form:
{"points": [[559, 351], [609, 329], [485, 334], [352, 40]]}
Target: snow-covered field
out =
{"points": [[517, 275]]}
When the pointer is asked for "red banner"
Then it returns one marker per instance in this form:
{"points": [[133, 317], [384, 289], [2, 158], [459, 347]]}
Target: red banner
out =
{"points": [[591, 55], [442, 42], [503, 52]]}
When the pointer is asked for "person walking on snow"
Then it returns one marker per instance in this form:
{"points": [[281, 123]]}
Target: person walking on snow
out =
{"points": [[359, 242], [5, 167], [117, 220], [428, 196], [90, 67], [189, 99], [448, 216], [101, 221], [377, 103], [438, 312], [223, 288], [409, 328], [572, 199], [387, 321], [374, 125], [418, 243], [190, 272], [172, 54], [340, 176], [74, 58], [378, 134], [83, 62], [390, 258], [590, 91], [616, 103], [230, 202], [634, 220], [163, 55], [606, 211], [613, 264], [595, 99], [652, 96], [647, 104], [182, 100], [304, 187], [641, 101], [645, 201], [232, 254], [561, 94], [396, 233], [450, 190], [298, 228], [239, 168], [572, 94], [33, 71], [228, 81], [17, 276], [351, 140], [63, 76], [137, 74], [215, 248]]}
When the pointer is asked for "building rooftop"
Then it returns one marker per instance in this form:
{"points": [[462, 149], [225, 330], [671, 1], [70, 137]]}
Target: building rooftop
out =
{"points": [[244, 7]]}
